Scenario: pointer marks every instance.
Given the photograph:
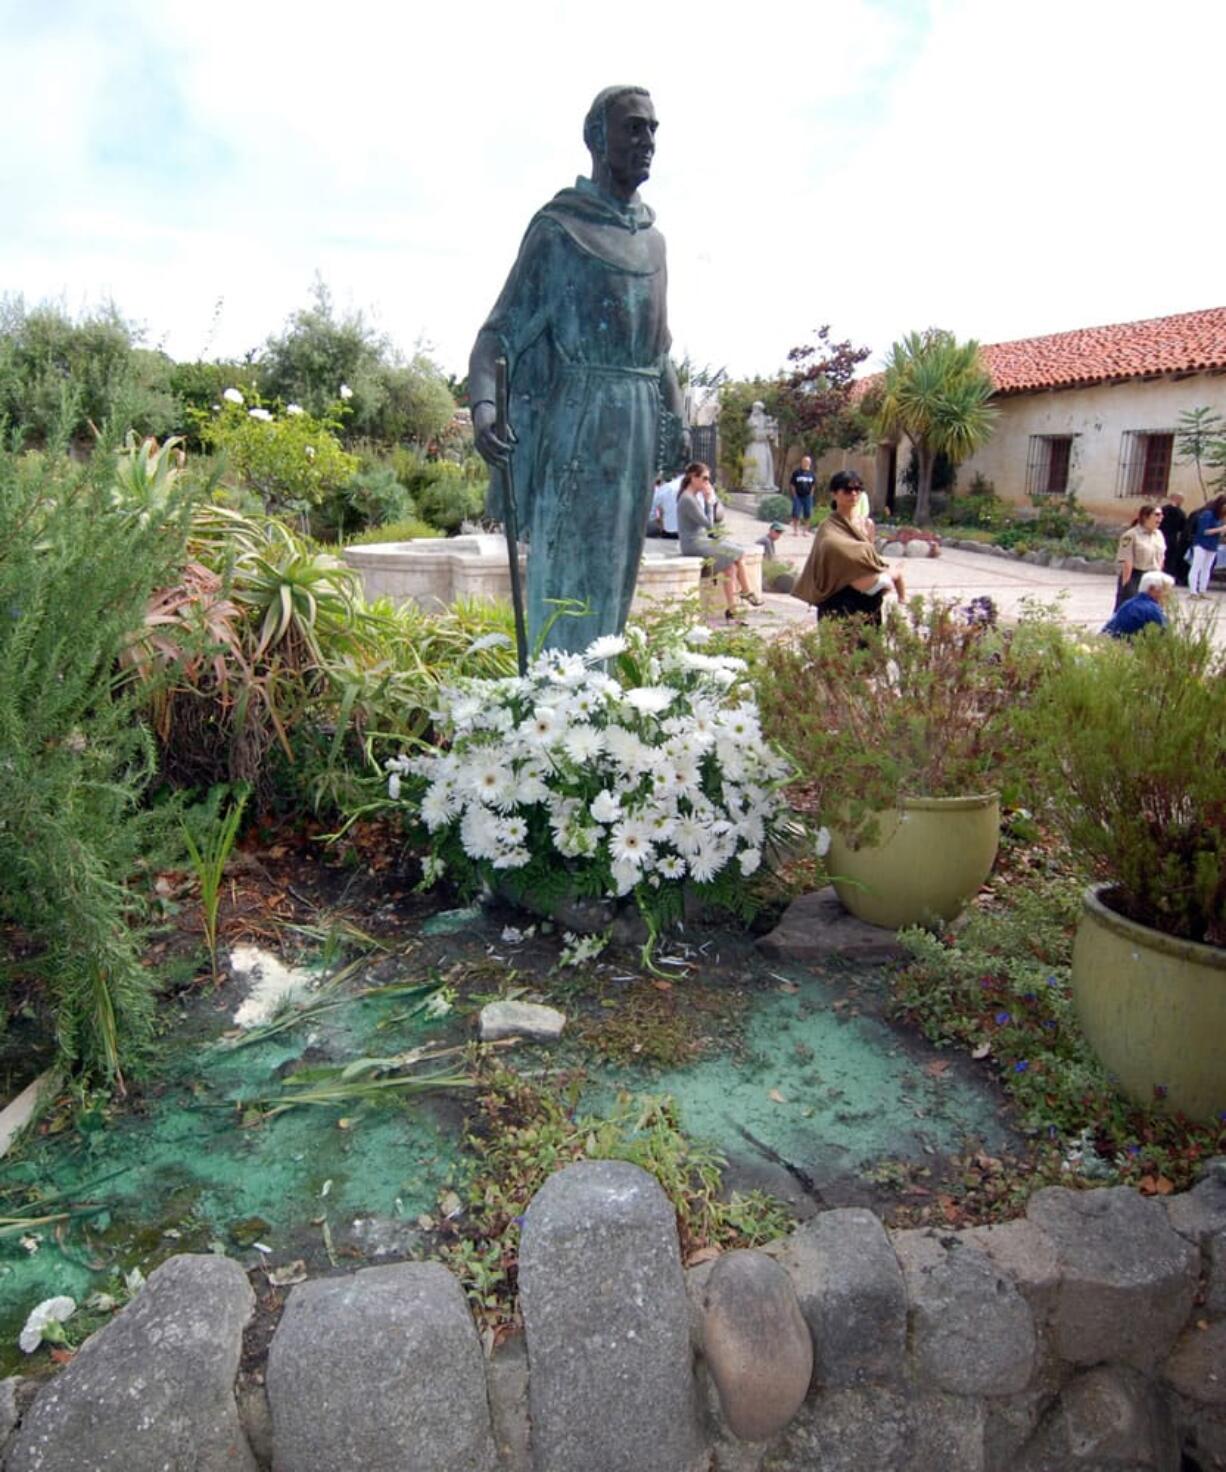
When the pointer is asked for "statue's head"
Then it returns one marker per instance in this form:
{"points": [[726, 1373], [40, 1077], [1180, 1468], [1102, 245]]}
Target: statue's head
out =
{"points": [[620, 133]]}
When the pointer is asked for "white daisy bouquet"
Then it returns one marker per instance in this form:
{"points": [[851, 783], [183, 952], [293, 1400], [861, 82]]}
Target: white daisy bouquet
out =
{"points": [[629, 770]]}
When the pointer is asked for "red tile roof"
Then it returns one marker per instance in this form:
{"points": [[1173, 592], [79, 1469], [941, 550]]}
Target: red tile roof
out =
{"points": [[1191, 342]]}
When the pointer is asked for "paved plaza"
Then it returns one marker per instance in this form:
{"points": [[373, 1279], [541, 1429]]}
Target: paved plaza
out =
{"points": [[1083, 600]]}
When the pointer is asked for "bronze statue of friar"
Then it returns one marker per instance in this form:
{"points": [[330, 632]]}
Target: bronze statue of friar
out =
{"points": [[594, 408]]}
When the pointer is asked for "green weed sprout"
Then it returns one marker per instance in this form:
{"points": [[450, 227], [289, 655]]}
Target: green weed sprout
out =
{"points": [[209, 857]]}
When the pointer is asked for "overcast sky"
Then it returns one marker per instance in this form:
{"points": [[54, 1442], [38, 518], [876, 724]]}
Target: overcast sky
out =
{"points": [[1001, 169]]}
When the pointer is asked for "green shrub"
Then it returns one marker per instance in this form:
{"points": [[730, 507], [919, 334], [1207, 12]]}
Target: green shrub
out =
{"points": [[444, 494], [1057, 518], [980, 507], [407, 530], [293, 461], [77, 566], [775, 508], [374, 496], [923, 706], [1132, 738]]}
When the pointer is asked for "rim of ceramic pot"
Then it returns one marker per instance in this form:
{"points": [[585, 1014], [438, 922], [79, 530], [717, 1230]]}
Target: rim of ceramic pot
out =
{"points": [[1154, 940], [950, 804]]}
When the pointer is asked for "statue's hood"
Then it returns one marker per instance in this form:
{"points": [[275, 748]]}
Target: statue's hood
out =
{"points": [[620, 234]]}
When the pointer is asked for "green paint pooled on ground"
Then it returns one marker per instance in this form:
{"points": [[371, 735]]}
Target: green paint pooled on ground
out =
{"points": [[828, 1091], [190, 1176]]}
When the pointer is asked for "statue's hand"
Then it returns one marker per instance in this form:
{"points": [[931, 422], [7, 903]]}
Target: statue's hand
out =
{"points": [[492, 449]]}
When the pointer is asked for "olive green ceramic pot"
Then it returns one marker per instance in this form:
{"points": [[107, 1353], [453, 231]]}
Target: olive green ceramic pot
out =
{"points": [[929, 858], [1154, 1010]]}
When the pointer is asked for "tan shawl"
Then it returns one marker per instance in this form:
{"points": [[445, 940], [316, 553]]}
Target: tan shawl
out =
{"points": [[840, 554]]}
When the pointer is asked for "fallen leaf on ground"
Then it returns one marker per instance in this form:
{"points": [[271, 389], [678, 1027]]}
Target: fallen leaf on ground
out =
{"points": [[982, 1050], [288, 1274], [776, 1096], [703, 1254], [937, 1067]]}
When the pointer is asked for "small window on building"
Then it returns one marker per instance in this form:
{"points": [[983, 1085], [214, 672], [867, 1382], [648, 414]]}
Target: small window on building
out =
{"points": [[1145, 463], [1047, 465]]}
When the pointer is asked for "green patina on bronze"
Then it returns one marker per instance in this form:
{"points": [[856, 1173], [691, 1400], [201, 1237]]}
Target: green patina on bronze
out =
{"points": [[594, 405]]}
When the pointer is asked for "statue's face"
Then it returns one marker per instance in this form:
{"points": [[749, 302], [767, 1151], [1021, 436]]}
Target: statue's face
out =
{"points": [[630, 134]]}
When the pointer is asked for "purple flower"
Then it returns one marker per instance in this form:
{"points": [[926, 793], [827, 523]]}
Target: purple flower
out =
{"points": [[1021, 1065], [1049, 1023], [1002, 1018], [1053, 981], [1029, 997]]}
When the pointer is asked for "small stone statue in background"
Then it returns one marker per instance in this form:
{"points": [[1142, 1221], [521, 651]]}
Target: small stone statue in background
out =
{"points": [[760, 457]]}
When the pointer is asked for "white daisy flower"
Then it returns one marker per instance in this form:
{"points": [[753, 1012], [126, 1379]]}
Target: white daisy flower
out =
{"points": [[439, 806], [697, 634], [496, 640], [630, 841], [749, 860], [627, 750], [706, 863], [44, 1322], [625, 876], [393, 786], [671, 866], [293, 408], [583, 743], [479, 833], [512, 858], [345, 391], [231, 396], [542, 727], [650, 699], [608, 646], [261, 414], [512, 831], [489, 780], [688, 835], [605, 807]]}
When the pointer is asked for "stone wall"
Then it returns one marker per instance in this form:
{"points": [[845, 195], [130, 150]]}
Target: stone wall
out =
{"points": [[1088, 1334]]}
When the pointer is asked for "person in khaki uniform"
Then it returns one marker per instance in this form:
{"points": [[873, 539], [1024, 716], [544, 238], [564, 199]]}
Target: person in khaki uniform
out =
{"points": [[1142, 549]]}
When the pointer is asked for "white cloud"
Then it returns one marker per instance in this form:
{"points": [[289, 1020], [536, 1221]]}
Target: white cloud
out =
{"points": [[999, 169]]}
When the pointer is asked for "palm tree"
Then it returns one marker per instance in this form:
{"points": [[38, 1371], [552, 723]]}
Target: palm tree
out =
{"points": [[936, 392]]}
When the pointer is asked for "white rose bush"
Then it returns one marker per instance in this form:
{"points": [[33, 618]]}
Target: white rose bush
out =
{"points": [[627, 771]]}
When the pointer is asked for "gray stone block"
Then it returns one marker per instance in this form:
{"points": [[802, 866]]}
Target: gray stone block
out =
{"points": [[1024, 1253], [520, 1020], [1200, 1216], [611, 1383], [9, 1413], [756, 1344], [1109, 1417], [154, 1389], [894, 549], [379, 1371], [1127, 1278], [879, 1430], [506, 1377], [816, 927], [1202, 1434], [851, 1292], [972, 1332], [1196, 1367]]}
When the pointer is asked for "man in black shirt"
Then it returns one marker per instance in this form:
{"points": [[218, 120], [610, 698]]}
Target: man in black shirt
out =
{"points": [[802, 496]]}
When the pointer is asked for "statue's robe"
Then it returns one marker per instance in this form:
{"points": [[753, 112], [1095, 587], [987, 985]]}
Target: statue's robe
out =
{"points": [[582, 324]]}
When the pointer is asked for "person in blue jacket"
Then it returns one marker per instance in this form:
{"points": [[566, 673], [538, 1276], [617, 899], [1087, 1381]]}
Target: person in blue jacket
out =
{"points": [[1143, 608]]}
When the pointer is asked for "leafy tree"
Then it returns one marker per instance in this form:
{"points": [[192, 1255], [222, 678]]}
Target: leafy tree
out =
{"points": [[64, 377], [815, 404], [1200, 440], [317, 353], [936, 391], [418, 405]]}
